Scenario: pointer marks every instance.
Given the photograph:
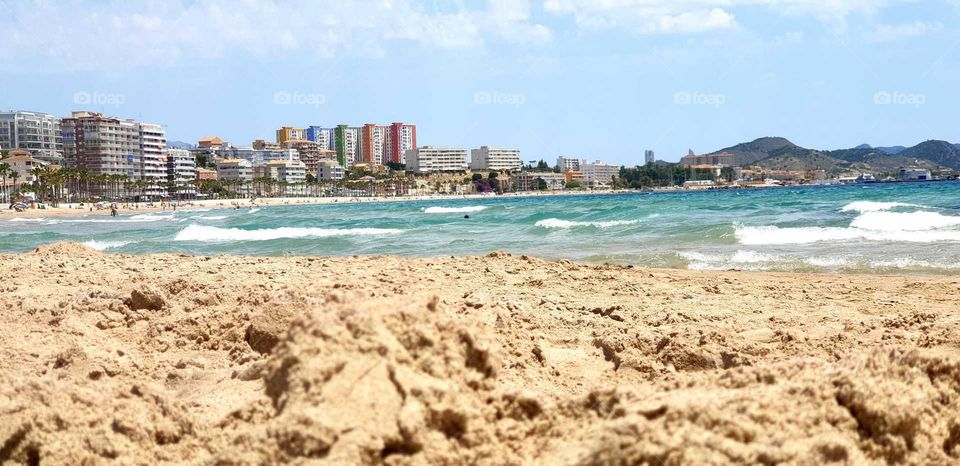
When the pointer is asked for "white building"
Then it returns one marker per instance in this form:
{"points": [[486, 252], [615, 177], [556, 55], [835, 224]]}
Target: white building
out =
{"points": [[428, 159], [530, 181], [648, 157], [495, 158], [235, 170], [153, 167], [37, 133], [259, 157], [598, 173], [329, 170], [568, 164], [181, 170]]}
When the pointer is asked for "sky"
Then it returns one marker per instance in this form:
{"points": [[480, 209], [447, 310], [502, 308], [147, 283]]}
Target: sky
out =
{"points": [[594, 79]]}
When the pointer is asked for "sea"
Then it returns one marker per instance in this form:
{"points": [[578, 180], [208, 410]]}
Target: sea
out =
{"points": [[870, 228]]}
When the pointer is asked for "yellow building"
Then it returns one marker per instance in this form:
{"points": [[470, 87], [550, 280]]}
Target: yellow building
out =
{"points": [[287, 133]]}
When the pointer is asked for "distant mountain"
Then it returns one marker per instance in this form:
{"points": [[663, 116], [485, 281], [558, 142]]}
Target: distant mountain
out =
{"points": [[876, 160], [892, 149], [749, 153], [779, 153], [939, 152], [180, 145]]}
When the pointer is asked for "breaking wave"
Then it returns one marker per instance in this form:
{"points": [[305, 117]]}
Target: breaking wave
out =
{"points": [[104, 245], [558, 223], [874, 206]]}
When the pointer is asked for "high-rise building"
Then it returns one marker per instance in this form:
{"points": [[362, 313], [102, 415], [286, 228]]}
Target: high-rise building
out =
{"points": [[322, 136], [648, 157], [102, 145], [398, 140], [428, 159], [287, 133], [181, 171], [373, 138], [153, 166], [568, 164], [347, 144], [495, 158], [37, 133]]}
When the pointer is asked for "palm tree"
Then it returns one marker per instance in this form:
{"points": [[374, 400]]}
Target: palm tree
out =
{"points": [[4, 171], [14, 175]]}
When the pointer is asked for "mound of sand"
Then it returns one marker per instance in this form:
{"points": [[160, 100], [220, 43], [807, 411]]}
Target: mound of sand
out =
{"points": [[402, 361]]}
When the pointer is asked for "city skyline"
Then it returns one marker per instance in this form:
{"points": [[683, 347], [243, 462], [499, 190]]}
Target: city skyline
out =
{"points": [[544, 77]]}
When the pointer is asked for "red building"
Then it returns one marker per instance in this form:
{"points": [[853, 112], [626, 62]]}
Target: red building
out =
{"points": [[399, 139]]}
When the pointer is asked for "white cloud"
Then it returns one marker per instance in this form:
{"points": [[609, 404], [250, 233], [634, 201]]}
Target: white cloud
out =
{"points": [[88, 34], [665, 16], [894, 32]]}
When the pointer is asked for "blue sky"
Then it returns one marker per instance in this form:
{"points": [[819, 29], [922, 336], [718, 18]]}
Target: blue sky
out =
{"points": [[597, 79]]}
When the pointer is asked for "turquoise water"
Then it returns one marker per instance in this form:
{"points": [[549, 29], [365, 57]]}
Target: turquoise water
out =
{"points": [[882, 228]]}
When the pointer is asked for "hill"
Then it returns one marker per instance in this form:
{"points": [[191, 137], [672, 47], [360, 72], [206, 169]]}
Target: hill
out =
{"points": [[939, 152], [777, 153]]}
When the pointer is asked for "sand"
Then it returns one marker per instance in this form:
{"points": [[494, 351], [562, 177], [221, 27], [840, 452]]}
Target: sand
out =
{"points": [[483, 360]]}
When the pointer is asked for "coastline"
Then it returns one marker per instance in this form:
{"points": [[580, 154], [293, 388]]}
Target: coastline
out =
{"points": [[73, 210], [501, 358]]}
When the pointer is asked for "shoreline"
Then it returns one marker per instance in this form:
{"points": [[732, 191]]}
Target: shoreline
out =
{"points": [[509, 358], [72, 210]]}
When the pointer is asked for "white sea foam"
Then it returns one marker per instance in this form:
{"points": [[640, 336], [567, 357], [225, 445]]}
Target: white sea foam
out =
{"points": [[212, 217], [254, 210], [738, 257], [27, 220], [104, 245], [149, 217], [827, 261], [874, 206], [770, 235], [558, 223], [904, 221], [208, 233], [450, 210]]}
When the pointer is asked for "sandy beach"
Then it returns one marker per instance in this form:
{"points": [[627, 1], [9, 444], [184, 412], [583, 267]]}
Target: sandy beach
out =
{"points": [[497, 359], [87, 209]]}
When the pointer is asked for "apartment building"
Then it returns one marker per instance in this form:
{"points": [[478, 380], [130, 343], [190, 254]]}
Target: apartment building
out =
{"points": [[235, 170], [399, 139], [648, 157], [260, 144], [347, 143], [102, 145], [495, 158], [329, 170], [287, 133], [288, 171], [598, 173], [322, 136], [429, 159], [568, 164], [181, 170], [259, 157], [533, 181], [153, 165], [36, 133], [372, 143]]}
